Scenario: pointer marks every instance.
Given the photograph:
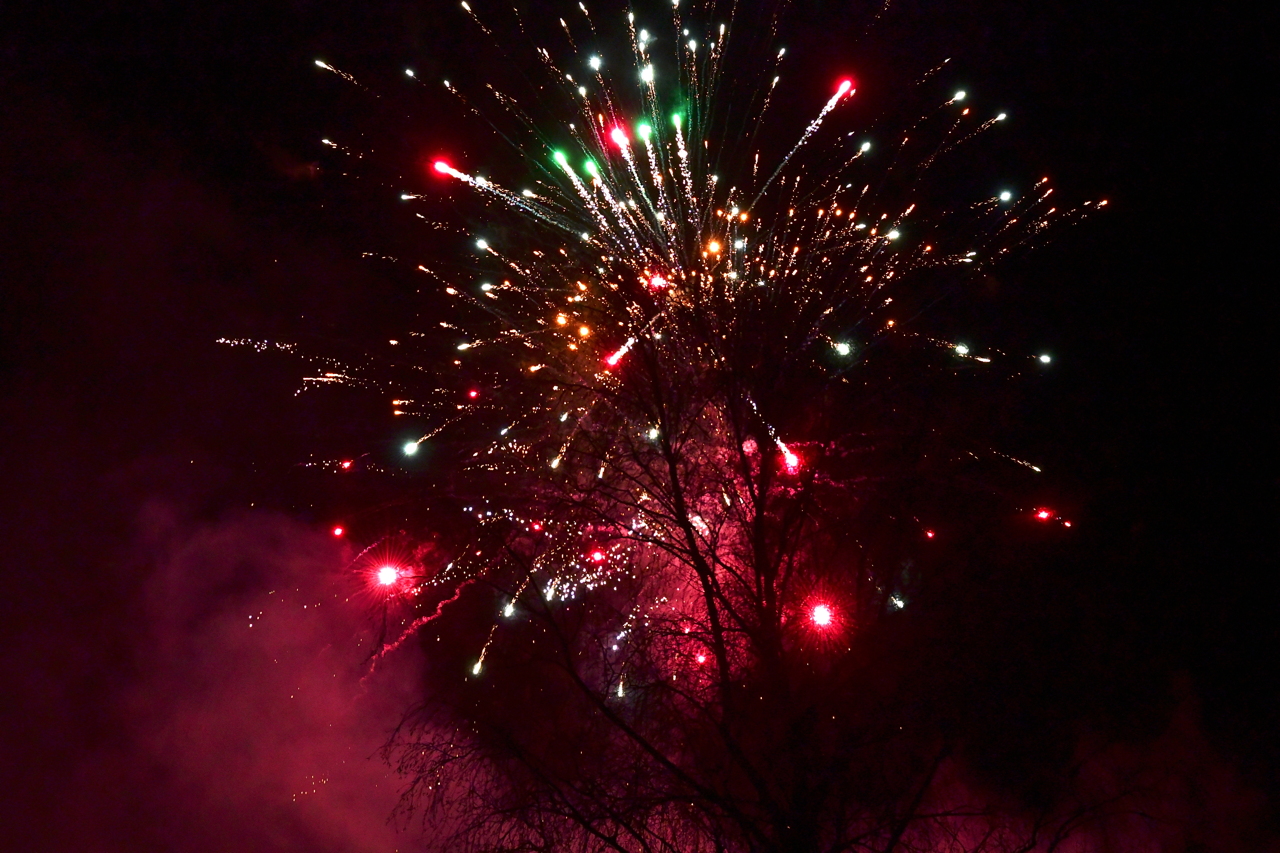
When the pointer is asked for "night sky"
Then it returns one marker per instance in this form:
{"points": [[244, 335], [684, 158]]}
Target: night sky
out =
{"points": [[163, 185]]}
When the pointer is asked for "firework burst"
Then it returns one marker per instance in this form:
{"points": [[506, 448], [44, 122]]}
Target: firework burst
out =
{"points": [[638, 360], [662, 359]]}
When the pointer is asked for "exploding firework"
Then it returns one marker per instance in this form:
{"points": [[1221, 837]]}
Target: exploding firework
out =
{"points": [[668, 378], [644, 361]]}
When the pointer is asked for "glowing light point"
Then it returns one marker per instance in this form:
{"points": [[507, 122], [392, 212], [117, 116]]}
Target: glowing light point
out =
{"points": [[442, 167], [928, 534], [597, 556], [482, 244], [821, 615], [713, 247], [866, 146], [646, 74], [1044, 359], [843, 349], [958, 96], [845, 86], [789, 459], [345, 464], [619, 138], [408, 72], [1006, 195], [961, 349], [701, 658], [388, 575], [1044, 514], [612, 360], [338, 531], [643, 131], [559, 157], [594, 62], [509, 610], [894, 234], [675, 119], [475, 670], [1002, 117], [410, 448]]}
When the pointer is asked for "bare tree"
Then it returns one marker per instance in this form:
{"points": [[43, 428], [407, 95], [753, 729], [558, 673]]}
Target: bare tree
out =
{"points": [[695, 610]]}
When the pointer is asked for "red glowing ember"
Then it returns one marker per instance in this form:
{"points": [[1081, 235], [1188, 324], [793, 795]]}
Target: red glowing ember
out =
{"points": [[821, 615], [387, 575], [1044, 514], [338, 531], [597, 556]]}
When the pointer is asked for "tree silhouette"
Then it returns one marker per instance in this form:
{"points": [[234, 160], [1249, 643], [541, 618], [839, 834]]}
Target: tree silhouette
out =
{"points": [[692, 631]]}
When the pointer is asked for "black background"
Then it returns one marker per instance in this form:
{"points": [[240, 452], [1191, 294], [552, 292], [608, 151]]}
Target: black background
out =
{"points": [[159, 190]]}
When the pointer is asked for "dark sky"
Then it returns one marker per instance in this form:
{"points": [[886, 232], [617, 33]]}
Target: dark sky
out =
{"points": [[157, 193]]}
